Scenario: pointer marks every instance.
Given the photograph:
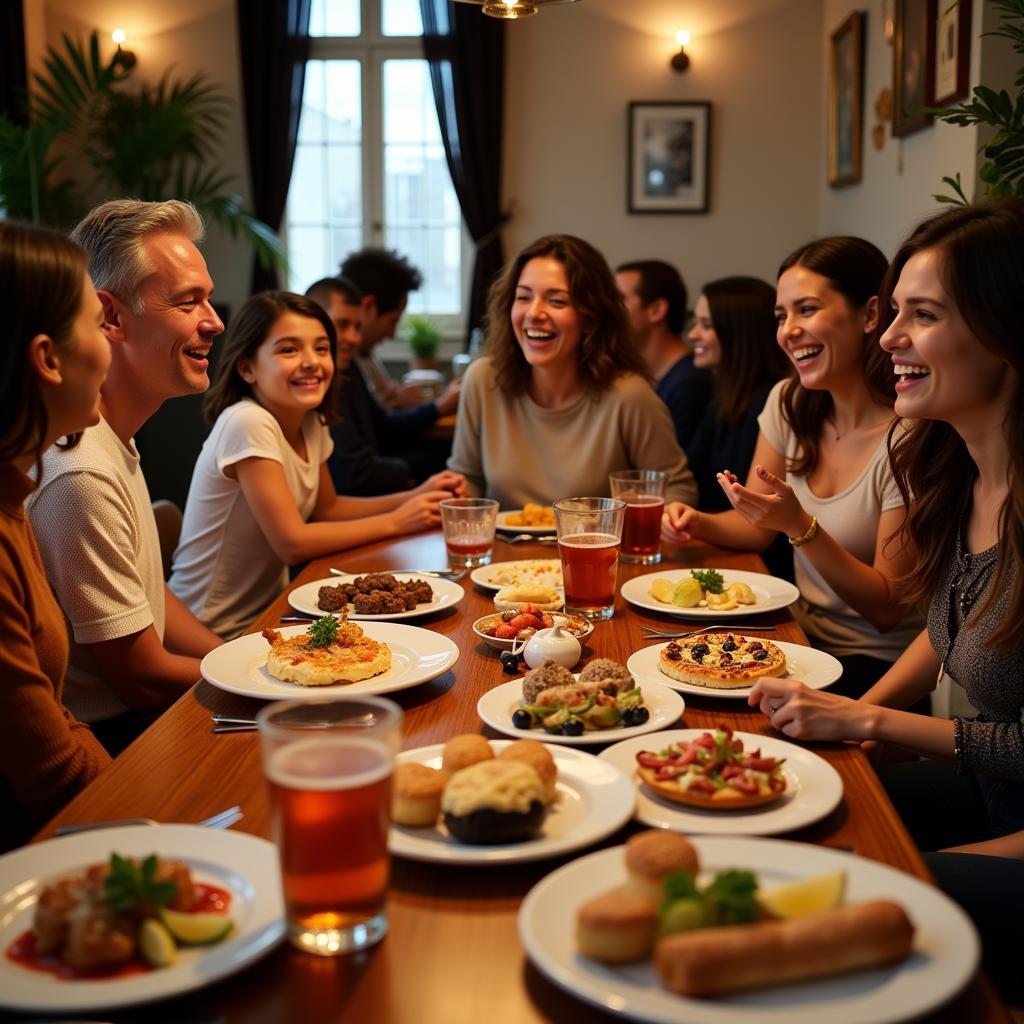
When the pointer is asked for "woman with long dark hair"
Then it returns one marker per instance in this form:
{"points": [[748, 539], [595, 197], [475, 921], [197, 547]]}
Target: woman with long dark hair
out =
{"points": [[821, 473], [953, 338], [561, 398], [53, 358]]}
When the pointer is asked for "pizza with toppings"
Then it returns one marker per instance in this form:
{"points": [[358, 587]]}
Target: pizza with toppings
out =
{"points": [[713, 770], [721, 661]]}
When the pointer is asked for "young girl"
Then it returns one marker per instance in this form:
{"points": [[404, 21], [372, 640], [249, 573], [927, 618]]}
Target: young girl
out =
{"points": [[261, 496], [955, 348], [821, 472], [52, 361]]}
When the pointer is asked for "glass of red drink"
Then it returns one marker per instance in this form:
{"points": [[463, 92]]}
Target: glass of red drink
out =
{"points": [[643, 491], [589, 534], [469, 525], [328, 765]]}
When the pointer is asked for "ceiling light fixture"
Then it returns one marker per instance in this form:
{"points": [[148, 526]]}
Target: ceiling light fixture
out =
{"points": [[681, 60], [124, 59], [510, 10]]}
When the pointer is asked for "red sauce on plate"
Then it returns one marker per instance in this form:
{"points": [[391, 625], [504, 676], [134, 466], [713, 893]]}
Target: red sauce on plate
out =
{"points": [[209, 899]]}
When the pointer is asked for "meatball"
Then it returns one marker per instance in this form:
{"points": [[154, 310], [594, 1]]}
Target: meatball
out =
{"points": [[604, 669], [331, 599], [546, 675]]}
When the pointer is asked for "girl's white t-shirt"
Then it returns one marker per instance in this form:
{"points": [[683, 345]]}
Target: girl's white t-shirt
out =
{"points": [[851, 518], [224, 568]]}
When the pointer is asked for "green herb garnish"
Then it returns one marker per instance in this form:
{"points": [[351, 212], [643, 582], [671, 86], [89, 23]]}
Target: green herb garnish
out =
{"points": [[323, 632], [728, 899], [709, 580], [129, 885]]}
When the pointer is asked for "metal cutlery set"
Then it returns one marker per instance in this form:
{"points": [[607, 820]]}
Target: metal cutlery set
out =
{"points": [[225, 819]]}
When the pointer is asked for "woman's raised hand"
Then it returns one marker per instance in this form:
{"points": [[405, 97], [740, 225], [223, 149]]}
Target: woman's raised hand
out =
{"points": [[446, 480], [805, 714], [777, 510], [680, 523]]}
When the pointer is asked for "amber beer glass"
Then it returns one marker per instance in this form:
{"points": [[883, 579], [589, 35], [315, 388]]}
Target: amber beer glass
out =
{"points": [[328, 765], [589, 534], [643, 491]]}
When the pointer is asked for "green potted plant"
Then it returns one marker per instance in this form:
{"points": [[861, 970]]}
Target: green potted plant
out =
{"points": [[1003, 169], [424, 337]]}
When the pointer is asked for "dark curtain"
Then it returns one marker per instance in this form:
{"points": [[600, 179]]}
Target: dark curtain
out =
{"points": [[13, 72], [274, 40], [466, 52]]}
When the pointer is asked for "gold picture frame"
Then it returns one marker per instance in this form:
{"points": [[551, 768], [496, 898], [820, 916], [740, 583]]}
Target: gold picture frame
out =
{"points": [[846, 102]]}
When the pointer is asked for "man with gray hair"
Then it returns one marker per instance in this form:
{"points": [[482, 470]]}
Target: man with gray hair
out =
{"points": [[136, 647]]}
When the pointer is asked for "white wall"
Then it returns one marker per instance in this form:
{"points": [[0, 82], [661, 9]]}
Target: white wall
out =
{"points": [[571, 72], [898, 181]]}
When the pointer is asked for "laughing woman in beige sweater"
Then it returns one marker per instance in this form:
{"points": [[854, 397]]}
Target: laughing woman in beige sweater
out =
{"points": [[561, 398]]}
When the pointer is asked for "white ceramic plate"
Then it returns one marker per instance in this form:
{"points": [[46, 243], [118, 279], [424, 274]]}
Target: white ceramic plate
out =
{"points": [[538, 531], [545, 571], [244, 865], [593, 800], [771, 592], [495, 707], [944, 958], [240, 665], [814, 789], [446, 594], [815, 668], [506, 645]]}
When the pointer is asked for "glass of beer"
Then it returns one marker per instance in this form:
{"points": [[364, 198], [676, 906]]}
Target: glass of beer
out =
{"points": [[328, 766], [589, 533], [643, 491], [469, 525]]}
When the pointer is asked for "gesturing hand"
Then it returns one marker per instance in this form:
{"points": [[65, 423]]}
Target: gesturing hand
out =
{"points": [[778, 510], [798, 711]]}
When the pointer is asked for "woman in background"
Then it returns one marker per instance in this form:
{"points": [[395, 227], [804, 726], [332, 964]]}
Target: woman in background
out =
{"points": [[954, 345], [821, 470], [53, 358], [561, 398]]}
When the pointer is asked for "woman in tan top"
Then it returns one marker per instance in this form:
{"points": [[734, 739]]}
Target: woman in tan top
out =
{"points": [[562, 398], [52, 362]]}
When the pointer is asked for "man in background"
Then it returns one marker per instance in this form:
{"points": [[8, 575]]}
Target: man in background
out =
{"points": [[376, 450], [655, 298], [137, 648]]}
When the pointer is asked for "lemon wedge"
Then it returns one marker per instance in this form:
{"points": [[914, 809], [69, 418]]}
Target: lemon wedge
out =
{"points": [[808, 896], [155, 943], [196, 929], [662, 590]]}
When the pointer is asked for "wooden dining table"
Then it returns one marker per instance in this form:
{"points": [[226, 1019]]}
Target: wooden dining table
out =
{"points": [[453, 954]]}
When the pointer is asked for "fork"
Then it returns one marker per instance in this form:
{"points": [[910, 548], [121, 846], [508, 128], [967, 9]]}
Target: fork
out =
{"points": [[441, 574], [547, 538], [225, 819], [654, 633]]}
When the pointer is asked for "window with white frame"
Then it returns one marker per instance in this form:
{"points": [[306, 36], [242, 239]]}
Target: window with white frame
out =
{"points": [[370, 167]]}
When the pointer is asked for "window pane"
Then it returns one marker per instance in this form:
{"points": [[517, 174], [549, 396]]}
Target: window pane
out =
{"points": [[401, 18], [308, 256], [334, 18], [421, 212]]}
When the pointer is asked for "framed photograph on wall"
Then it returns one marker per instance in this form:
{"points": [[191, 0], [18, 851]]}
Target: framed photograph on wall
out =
{"points": [[950, 22], [912, 66], [846, 102], [669, 151]]}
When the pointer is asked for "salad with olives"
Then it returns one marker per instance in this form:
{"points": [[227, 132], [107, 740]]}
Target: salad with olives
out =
{"points": [[582, 708]]}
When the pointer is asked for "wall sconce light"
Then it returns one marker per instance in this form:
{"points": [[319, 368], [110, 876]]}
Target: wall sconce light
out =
{"points": [[124, 59], [509, 10], [681, 60]]}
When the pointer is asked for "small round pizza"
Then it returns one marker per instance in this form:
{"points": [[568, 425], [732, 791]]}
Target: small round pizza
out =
{"points": [[721, 661], [713, 771]]}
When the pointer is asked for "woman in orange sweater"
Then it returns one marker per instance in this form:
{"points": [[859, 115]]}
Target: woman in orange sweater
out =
{"points": [[53, 358]]}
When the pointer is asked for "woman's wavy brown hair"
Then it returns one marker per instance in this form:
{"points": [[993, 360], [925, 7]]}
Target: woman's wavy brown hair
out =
{"points": [[247, 331], [41, 278], [743, 316], [854, 268], [606, 349], [983, 273]]}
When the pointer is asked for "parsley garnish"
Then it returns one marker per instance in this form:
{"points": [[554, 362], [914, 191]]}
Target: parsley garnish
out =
{"points": [[129, 885], [709, 580], [728, 899], [323, 632]]}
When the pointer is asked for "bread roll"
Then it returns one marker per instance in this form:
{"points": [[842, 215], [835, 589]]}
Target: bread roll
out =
{"points": [[710, 961], [416, 795], [463, 750], [652, 855], [539, 758], [616, 927]]}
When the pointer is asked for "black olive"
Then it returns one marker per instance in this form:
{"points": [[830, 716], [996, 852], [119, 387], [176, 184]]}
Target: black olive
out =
{"points": [[729, 645], [522, 719], [510, 662], [756, 645], [638, 715], [572, 727], [760, 654], [699, 650], [673, 655]]}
